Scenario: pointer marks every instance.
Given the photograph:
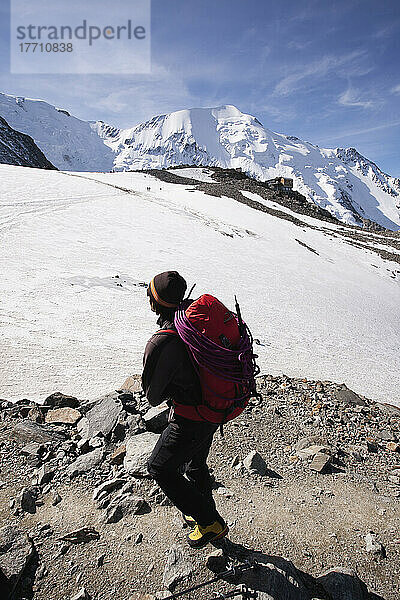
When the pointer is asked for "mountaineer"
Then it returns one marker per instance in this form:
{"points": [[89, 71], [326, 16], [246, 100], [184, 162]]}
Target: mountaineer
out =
{"points": [[179, 367]]}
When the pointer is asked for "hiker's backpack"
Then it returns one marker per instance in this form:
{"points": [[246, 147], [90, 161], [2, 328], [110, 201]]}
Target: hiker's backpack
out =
{"points": [[220, 346]]}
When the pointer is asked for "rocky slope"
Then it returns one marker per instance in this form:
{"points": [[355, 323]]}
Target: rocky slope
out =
{"points": [[342, 181], [308, 479], [19, 149]]}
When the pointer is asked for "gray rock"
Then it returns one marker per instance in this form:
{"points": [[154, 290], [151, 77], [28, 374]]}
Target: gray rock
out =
{"points": [[81, 536], [126, 504], [108, 486], [235, 461], [305, 442], [135, 424], [29, 431], [102, 417], [386, 435], [27, 500], [59, 400], [349, 397], [56, 499], [312, 450], [343, 584], [65, 416], [42, 572], [177, 568], [33, 449], [156, 418], [85, 462], [320, 462], [254, 463], [373, 546], [81, 595], [16, 551], [138, 450], [44, 474]]}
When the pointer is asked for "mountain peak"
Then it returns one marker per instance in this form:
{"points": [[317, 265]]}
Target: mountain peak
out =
{"points": [[342, 181]]}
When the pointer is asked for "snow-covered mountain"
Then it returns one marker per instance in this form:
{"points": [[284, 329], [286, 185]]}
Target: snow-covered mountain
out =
{"points": [[342, 181], [19, 149], [68, 143]]}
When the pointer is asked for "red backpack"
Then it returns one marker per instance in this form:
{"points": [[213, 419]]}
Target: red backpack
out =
{"points": [[220, 346]]}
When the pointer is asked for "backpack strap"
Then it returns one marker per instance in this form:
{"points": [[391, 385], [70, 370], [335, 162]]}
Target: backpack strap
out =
{"points": [[166, 332]]}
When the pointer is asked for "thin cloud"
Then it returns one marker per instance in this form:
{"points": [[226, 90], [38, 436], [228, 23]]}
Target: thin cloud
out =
{"points": [[362, 131], [319, 69], [351, 97], [396, 89]]}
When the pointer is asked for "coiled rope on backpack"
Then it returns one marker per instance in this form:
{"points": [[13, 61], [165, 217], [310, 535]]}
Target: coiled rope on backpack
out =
{"points": [[237, 365]]}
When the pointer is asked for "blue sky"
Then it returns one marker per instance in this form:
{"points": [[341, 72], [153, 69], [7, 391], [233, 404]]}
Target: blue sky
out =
{"points": [[325, 71]]}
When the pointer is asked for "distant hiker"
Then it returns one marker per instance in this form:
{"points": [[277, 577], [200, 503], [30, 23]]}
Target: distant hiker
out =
{"points": [[179, 366]]}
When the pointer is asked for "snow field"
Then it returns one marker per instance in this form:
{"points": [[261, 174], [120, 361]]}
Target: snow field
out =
{"points": [[67, 325]]}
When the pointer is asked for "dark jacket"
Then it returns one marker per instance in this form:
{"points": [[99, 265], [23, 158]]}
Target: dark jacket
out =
{"points": [[168, 372]]}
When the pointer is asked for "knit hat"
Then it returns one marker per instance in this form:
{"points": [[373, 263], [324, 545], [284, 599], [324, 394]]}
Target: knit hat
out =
{"points": [[167, 289]]}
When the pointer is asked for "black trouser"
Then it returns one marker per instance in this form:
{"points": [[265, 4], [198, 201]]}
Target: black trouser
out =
{"points": [[183, 447]]}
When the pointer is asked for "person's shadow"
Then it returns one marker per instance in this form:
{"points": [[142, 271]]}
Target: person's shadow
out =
{"points": [[274, 577]]}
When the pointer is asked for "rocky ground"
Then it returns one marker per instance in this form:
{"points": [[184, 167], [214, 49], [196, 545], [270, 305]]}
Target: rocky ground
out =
{"points": [[308, 479]]}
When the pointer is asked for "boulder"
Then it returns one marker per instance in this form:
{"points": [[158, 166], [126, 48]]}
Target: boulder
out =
{"points": [[102, 417], [178, 567], [135, 425], [123, 505], [27, 500], [85, 462], [255, 464], [64, 416], [320, 462], [33, 449], [29, 431], [343, 584], [312, 450], [217, 561], [36, 414], [16, 551], [44, 475], [108, 486], [373, 546], [132, 384], [138, 450], [277, 579], [156, 418], [59, 400], [349, 397]]}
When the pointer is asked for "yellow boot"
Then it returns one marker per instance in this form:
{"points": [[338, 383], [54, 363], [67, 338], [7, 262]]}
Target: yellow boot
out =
{"points": [[201, 536]]}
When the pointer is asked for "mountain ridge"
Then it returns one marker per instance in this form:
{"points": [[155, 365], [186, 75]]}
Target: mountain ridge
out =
{"points": [[341, 180]]}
